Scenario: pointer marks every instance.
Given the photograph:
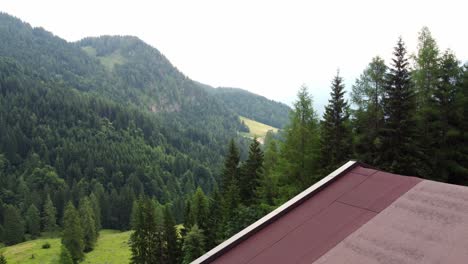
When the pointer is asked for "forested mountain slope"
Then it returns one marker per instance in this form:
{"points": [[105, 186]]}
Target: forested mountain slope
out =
{"points": [[254, 106]]}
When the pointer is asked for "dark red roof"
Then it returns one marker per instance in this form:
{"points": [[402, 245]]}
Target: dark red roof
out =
{"points": [[358, 215]]}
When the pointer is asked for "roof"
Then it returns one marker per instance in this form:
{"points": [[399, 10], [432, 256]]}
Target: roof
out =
{"points": [[358, 214]]}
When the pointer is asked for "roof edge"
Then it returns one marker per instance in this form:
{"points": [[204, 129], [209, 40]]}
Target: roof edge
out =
{"points": [[273, 215]]}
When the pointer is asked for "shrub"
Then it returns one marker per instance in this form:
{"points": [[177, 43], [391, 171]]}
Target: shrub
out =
{"points": [[46, 245]]}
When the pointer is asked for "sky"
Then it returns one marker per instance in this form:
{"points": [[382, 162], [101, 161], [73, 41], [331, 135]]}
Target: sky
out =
{"points": [[267, 47]]}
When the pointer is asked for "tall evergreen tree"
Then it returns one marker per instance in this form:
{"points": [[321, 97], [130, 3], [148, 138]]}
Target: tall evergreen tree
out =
{"points": [[199, 210], [49, 216], [33, 221], [398, 149], [231, 163], [426, 80], [336, 140], [72, 237], [170, 237], [144, 241], [96, 211], [194, 245], [367, 95], [300, 150], [13, 225], [88, 224], [251, 171], [215, 221]]}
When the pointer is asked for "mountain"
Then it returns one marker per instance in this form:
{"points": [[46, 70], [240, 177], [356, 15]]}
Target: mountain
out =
{"points": [[254, 106]]}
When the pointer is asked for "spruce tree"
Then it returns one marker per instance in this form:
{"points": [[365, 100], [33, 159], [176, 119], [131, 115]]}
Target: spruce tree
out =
{"points": [[194, 245], [13, 225], [33, 221], [199, 211], [72, 237], [250, 173], [214, 232], [231, 163], [49, 216], [88, 224], [65, 256], [398, 149], [170, 237], [145, 240], [3, 259], [96, 211], [336, 140]]}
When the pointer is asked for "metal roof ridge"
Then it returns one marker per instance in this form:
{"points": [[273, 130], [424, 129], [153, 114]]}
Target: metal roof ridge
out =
{"points": [[273, 215]]}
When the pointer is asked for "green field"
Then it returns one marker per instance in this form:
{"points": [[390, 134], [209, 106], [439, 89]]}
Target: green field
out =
{"points": [[112, 247], [256, 128]]}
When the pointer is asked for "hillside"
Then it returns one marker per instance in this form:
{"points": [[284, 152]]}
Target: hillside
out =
{"points": [[257, 129], [112, 247], [254, 106]]}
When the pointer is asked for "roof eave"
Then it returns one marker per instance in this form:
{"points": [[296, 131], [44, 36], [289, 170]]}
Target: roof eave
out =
{"points": [[273, 215]]}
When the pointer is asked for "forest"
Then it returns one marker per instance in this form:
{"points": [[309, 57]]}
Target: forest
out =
{"points": [[105, 133]]}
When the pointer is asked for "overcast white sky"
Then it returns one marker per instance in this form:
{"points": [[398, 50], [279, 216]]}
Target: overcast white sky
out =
{"points": [[267, 47]]}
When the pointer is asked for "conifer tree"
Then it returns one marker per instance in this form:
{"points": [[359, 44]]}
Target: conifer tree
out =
{"points": [[367, 95], [96, 211], [88, 224], [65, 256], [231, 163], [215, 220], [49, 216], [398, 149], [33, 221], [251, 171], [170, 237], [199, 210], [300, 150], [426, 79], [3, 259], [336, 141], [194, 245], [145, 240], [13, 225], [72, 237]]}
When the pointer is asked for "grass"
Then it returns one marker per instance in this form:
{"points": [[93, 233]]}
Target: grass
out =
{"points": [[256, 128], [112, 247], [108, 61]]}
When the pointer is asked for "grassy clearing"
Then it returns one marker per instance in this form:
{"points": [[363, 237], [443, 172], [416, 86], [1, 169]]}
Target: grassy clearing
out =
{"points": [[256, 128], [112, 247], [108, 61]]}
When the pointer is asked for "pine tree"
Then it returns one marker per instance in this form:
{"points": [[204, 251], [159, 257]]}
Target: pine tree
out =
{"points": [[170, 237], [72, 237], [250, 173], [33, 221], [398, 150], [49, 216], [231, 163], [65, 256], [194, 245], [336, 141], [367, 95], [300, 150], [88, 224], [13, 226]]}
